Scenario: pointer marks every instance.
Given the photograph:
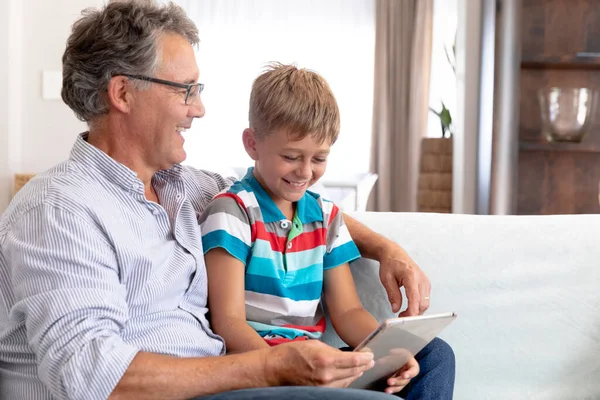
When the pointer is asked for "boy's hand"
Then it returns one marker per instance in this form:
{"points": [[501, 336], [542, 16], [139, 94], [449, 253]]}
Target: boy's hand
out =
{"points": [[401, 378]]}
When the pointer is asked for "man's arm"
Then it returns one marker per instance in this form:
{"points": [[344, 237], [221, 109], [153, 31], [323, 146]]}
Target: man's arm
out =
{"points": [[68, 293], [309, 363], [396, 268], [156, 376]]}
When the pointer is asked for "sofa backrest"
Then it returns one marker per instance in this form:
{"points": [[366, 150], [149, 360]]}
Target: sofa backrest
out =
{"points": [[527, 291]]}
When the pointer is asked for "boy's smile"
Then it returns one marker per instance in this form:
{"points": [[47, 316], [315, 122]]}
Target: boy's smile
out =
{"points": [[286, 167]]}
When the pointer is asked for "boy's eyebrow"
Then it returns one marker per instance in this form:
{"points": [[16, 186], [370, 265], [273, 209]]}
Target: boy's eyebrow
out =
{"points": [[302, 151]]}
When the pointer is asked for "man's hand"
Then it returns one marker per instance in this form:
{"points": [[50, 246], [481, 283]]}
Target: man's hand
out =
{"points": [[313, 363], [397, 269]]}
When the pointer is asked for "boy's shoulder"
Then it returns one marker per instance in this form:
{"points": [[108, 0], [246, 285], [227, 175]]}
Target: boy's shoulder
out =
{"points": [[236, 197]]}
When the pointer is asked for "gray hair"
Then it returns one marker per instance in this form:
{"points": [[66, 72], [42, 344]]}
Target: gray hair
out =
{"points": [[118, 39]]}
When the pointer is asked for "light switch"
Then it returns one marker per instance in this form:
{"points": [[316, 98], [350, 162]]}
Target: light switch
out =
{"points": [[51, 85]]}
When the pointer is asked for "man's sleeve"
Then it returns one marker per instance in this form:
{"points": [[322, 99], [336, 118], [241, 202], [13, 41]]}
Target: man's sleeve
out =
{"points": [[68, 294], [225, 224], [202, 186], [222, 182], [340, 246]]}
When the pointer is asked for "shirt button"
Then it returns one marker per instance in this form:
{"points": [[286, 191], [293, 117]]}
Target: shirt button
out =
{"points": [[178, 196], [289, 245], [284, 224]]}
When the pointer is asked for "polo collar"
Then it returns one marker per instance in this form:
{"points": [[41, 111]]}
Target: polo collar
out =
{"points": [[308, 208]]}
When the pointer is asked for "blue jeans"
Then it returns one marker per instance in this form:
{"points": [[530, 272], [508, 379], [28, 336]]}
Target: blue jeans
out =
{"points": [[436, 379], [297, 393], [434, 382]]}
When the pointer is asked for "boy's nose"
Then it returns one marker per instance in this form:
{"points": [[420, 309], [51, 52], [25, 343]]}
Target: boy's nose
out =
{"points": [[305, 171]]}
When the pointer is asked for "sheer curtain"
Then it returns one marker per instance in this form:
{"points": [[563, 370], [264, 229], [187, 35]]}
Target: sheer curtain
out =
{"points": [[403, 61], [335, 38]]}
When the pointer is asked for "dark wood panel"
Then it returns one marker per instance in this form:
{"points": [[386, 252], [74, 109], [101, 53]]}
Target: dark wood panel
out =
{"points": [[558, 183], [560, 47], [560, 27]]}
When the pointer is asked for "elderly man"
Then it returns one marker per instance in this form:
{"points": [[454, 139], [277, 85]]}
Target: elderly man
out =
{"points": [[102, 278]]}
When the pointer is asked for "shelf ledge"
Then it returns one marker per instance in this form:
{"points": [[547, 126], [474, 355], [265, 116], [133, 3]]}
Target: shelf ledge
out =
{"points": [[560, 147]]}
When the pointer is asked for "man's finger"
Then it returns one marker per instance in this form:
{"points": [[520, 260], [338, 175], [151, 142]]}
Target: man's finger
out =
{"points": [[425, 300], [424, 304], [349, 373], [414, 299], [358, 359], [392, 288]]}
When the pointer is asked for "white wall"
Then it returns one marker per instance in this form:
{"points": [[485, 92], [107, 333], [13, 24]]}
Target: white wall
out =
{"points": [[35, 133], [4, 167]]}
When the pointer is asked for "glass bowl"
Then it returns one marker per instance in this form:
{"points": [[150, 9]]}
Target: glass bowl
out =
{"points": [[567, 112]]}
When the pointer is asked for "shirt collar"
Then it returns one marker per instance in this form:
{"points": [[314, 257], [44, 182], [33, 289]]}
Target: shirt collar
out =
{"points": [[308, 208], [95, 161]]}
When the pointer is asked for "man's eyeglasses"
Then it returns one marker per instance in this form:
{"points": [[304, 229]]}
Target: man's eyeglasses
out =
{"points": [[192, 93]]}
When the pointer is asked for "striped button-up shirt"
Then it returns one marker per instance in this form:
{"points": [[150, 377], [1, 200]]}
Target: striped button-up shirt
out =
{"points": [[91, 272]]}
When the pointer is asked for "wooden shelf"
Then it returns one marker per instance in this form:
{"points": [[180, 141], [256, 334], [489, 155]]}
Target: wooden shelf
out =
{"points": [[583, 60], [560, 147]]}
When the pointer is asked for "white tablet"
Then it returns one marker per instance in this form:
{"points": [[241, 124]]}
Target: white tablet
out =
{"points": [[394, 342]]}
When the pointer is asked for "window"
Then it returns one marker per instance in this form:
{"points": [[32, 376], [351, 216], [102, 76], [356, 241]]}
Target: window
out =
{"points": [[335, 38], [442, 86]]}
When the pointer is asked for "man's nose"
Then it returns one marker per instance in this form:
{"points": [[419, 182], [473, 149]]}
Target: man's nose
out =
{"points": [[196, 110]]}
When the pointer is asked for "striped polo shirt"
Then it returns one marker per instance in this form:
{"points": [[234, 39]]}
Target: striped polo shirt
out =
{"points": [[284, 260]]}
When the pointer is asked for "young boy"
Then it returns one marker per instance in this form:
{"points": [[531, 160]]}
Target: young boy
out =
{"points": [[272, 248]]}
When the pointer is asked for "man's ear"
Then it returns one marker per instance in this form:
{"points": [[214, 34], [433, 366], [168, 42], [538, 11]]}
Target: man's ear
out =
{"points": [[249, 139], [119, 93]]}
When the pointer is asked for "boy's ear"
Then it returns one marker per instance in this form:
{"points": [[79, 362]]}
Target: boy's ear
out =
{"points": [[249, 139], [119, 93]]}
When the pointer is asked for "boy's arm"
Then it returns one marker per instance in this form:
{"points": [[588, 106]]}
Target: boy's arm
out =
{"points": [[227, 243], [350, 320], [226, 299], [396, 268], [353, 323]]}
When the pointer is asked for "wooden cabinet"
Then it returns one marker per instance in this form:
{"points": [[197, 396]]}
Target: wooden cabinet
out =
{"points": [[560, 47]]}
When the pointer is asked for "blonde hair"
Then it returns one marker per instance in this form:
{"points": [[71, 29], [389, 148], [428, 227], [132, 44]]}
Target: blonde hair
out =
{"points": [[298, 100]]}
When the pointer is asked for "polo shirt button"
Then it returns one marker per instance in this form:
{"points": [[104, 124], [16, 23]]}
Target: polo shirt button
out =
{"points": [[284, 224], [289, 245]]}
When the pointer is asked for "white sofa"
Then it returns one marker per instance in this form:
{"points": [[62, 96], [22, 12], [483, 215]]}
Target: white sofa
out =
{"points": [[527, 291]]}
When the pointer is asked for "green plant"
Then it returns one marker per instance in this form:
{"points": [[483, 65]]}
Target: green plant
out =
{"points": [[444, 114], [445, 119]]}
